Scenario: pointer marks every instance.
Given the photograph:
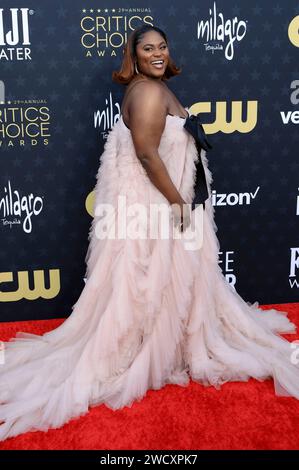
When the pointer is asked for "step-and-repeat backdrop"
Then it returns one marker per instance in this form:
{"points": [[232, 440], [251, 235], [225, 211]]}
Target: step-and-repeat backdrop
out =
{"points": [[58, 102]]}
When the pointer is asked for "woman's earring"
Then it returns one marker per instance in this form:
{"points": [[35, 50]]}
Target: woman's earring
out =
{"points": [[136, 67]]}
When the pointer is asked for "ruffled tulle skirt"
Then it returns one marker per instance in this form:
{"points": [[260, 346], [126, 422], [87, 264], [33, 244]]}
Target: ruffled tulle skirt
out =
{"points": [[151, 313]]}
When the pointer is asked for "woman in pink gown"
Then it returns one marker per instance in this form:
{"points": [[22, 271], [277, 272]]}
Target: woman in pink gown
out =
{"points": [[154, 310]]}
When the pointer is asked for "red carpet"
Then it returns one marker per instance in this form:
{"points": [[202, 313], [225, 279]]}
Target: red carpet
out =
{"points": [[245, 415]]}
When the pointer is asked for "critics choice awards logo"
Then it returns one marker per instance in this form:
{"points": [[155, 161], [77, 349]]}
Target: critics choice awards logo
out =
{"points": [[23, 122], [105, 30]]}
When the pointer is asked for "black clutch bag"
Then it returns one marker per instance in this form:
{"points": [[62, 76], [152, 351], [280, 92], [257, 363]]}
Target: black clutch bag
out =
{"points": [[195, 128]]}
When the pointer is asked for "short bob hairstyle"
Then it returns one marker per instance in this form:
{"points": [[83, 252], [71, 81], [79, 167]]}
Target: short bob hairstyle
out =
{"points": [[127, 70]]}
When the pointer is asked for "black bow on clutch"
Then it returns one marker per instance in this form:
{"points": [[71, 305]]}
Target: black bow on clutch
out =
{"points": [[195, 128]]}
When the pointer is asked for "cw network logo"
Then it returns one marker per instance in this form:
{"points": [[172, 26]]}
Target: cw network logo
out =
{"points": [[30, 285], [293, 31], [233, 122]]}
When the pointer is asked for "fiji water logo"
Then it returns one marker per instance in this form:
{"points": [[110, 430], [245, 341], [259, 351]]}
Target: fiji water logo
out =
{"points": [[19, 24], [221, 34], [16, 209], [15, 34]]}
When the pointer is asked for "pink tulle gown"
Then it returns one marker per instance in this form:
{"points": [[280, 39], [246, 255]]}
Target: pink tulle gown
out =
{"points": [[151, 313]]}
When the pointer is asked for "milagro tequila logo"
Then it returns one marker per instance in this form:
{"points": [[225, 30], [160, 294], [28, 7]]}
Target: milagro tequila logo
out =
{"points": [[15, 34], [16, 209], [217, 31], [106, 118]]}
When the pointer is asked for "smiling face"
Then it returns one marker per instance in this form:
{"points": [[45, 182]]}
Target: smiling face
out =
{"points": [[152, 48]]}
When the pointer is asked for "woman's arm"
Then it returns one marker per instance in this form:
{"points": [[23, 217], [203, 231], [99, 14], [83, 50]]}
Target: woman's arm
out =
{"points": [[147, 112]]}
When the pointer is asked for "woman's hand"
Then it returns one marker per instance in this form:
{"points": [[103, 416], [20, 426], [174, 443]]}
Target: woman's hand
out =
{"points": [[181, 215]]}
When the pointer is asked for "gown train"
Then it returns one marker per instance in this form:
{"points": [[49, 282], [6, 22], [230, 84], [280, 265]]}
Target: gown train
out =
{"points": [[151, 311]]}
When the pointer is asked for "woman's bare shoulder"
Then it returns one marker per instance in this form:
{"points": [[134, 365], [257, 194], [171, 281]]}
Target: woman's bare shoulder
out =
{"points": [[143, 89], [144, 85]]}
